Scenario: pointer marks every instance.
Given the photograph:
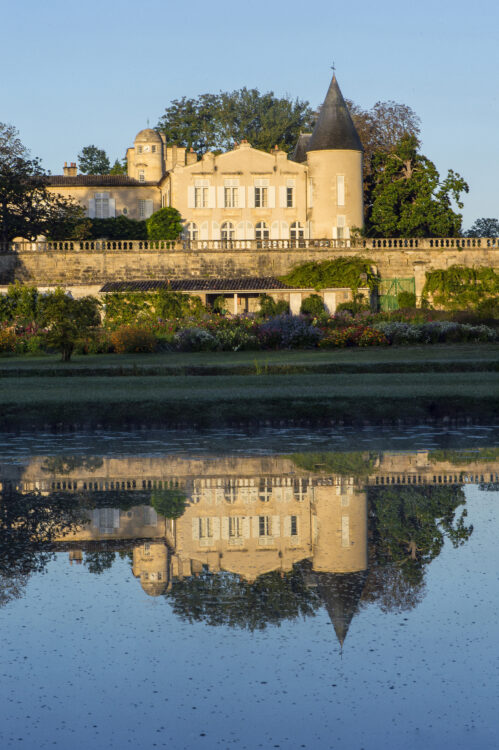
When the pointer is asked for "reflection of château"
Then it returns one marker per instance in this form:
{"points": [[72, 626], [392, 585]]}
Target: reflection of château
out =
{"points": [[247, 516]]}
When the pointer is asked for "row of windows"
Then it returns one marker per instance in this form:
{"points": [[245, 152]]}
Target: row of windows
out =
{"points": [[145, 149], [261, 195], [235, 527], [262, 231]]}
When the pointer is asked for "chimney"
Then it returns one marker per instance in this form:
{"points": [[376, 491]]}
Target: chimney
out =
{"points": [[191, 156], [70, 171]]}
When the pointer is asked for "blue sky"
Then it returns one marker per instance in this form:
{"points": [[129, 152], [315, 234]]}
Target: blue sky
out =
{"points": [[94, 72]]}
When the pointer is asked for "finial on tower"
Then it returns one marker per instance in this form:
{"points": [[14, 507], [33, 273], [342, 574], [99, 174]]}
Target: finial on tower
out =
{"points": [[333, 68]]}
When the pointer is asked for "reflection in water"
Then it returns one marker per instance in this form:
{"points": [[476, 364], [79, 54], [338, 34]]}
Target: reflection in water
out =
{"points": [[245, 542]]}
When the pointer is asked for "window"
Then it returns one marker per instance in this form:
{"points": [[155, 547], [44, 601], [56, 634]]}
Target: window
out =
{"points": [[142, 209], [192, 231], [102, 205], [289, 197], [235, 528], [261, 193], [139, 149], [142, 176], [227, 231], [294, 526], [296, 231], [261, 231], [153, 149], [205, 528], [147, 548], [200, 197], [264, 526], [231, 193], [340, 223], [340, 190]]}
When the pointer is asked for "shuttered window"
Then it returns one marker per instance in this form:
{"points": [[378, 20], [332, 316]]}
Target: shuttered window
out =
{"points": [[340, 190], [102, 205]]}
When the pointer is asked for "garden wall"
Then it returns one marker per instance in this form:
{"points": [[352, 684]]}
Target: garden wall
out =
{"points": [[95, 267]]}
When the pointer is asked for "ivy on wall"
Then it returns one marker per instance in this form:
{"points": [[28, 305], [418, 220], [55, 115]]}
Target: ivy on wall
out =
{"points": [[340, 272], [461, 287]]}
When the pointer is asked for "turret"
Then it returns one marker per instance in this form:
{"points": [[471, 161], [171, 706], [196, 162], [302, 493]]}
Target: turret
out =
{"points": [[145, 160], [334, 158]]}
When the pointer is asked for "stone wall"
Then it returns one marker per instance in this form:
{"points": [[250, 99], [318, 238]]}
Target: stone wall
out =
{"points": [[87, 267]]}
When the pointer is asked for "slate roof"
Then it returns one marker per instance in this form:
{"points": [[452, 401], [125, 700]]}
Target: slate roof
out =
{"points": [[341, 594], [300, 151], [334, 128], [236, 284], [97, 180]]}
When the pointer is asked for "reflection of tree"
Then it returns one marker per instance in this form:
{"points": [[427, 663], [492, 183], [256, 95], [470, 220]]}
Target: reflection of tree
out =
{"points": [[226, 599], [29, 524], [347, 464], [67, 464], [99, 560], [408, 526], [169, 503]]}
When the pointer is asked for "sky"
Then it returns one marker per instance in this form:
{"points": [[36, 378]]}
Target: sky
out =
{"points": [[75, 73]]}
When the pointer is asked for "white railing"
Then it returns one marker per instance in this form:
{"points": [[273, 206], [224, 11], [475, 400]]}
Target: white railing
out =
{"points": [[185, 245]]}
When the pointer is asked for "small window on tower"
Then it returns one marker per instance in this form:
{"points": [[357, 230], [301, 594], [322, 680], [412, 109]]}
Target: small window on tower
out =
{"points": [[153, 149], [142, 176]]}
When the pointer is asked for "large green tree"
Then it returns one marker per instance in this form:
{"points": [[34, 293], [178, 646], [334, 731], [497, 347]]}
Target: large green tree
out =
{"points": [[483, 228], [67, 319], [408, 198], [214, 122], [27, 208], [94, 160]]}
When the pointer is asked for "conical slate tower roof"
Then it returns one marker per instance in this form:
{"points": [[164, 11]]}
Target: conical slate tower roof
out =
{"points": [[334, 129], [341, 594]]}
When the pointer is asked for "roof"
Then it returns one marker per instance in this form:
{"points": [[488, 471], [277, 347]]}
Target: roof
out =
{"points": [[341, 594], [148, 134], [300, 151], [334, 128], [240, 283], [97, 180]]}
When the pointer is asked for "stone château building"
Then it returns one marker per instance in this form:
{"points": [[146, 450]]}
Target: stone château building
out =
{"points": [[243, 194]]}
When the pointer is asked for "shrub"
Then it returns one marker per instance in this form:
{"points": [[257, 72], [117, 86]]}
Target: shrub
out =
{"points": [[7, 340], [289, 331], [406, 299], [312, 305], [195, 340], [165, 224], [269, 307], [132, 339], [357, 335], [220, 305], [236, 339]]}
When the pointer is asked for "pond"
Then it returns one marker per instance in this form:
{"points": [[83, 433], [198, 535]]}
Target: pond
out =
{"points": [[284, 588]]}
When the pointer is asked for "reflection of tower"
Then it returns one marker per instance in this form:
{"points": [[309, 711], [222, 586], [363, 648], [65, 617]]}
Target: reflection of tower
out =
{"points": [[340, 548], [150, 565]]}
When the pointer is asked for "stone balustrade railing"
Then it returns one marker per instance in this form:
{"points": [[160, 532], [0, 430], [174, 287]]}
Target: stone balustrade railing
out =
{"points": [[185, 245]]}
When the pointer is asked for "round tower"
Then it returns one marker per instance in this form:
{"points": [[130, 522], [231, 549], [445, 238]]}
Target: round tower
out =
{"points": [[334, 159], [147, 157]]}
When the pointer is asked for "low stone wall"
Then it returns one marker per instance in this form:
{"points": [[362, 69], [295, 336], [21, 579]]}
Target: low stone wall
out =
{"points": [[70, 267]]}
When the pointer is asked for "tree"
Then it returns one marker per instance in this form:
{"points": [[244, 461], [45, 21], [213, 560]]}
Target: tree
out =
{"points": [[215, 122], [27, 208], [484, 228], [169, 503], [165, 224], [408, 199], [93, 160], [119, 167], [67, 319]]}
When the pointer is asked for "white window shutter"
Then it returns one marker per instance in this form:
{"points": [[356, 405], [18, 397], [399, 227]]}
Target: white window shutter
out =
{"points": [[225, 527], [240, 233], [242, 197], [190, 196], [195, 528], [112, 208], [246, 527], [284, 230], [276, 525], [203, 231], [215, 231], [250, 231], [216, 528], [254, 527], [282, 196], [287, 526], [149, 208], [308, 230], [251, 197], [274, 230], [212, 197], [91, 208], [271, 196], [220, 197], [335, 233], [340, 190], [347, 233]]}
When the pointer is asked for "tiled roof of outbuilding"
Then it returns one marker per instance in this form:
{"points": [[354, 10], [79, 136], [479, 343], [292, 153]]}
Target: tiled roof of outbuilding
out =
{"points": [[91, 180], [236, 284]]}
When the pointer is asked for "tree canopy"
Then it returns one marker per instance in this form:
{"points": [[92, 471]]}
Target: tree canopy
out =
{"points": [[214, 122], [408, 198], [483, 228], [93, 160], [165, 224], [27, 208]]}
